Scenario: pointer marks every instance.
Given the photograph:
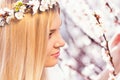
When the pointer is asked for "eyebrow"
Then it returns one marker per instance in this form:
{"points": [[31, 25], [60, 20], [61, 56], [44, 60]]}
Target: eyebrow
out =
{"points": [[52, 30]]}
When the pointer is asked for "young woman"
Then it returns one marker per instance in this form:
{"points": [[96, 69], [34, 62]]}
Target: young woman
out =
{"points": [[30, 39]]}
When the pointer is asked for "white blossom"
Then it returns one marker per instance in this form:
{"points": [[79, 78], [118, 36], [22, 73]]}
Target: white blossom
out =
{"points": [[6, 10], [43, 7], [19, 9], [52, 2], [2, 21], [106, 58], [45, 4], [8, 19], [2, 11], [110, 67], [10, 13], [111, 77], [35, 8], [22, 9], [88, 70], [35, 5], [19, 15]]}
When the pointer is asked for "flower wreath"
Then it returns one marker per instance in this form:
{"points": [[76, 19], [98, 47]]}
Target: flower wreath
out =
{"points": [[21, 8]]}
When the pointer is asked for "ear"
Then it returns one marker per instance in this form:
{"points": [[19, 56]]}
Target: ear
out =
{"points": [[115, 40]]}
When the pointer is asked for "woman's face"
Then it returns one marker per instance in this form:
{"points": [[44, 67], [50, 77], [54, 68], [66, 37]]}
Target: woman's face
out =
{"points": [[54, 43]]}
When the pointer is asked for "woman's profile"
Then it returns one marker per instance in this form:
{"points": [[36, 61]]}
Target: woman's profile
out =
{"points": [[30, 39]]}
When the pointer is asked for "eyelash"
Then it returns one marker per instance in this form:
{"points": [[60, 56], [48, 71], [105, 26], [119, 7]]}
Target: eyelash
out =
{"points": [[50, 34]]}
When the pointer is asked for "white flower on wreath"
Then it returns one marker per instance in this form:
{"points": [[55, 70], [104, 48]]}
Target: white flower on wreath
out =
{"points": [[10, 13], [8, 19], [22, 9], [2, 11], [52, 2], [2, 21], [45, 2], [35, 5], [11, 16], [19, 15], [44, 5]]}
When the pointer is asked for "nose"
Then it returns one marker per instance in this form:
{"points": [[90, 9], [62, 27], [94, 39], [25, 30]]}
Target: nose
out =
{"points": [[59, 41]]}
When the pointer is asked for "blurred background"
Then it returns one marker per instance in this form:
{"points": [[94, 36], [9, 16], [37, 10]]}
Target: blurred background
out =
{"points": [[83, 23]]}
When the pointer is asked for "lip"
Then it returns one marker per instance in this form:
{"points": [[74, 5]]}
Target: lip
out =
{"points": [[56, 54]]}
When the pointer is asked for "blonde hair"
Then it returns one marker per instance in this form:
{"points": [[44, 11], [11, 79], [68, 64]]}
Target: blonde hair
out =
{"points": [[23, 46]]}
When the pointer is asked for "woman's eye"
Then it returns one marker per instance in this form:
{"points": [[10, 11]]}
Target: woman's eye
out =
{"points": [[50, 34]]}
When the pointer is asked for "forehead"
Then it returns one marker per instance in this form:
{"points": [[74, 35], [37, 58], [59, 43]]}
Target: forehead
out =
{"points": [[56, 21]]}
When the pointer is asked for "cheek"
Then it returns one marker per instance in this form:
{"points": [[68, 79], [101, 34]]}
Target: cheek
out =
{"points": [[50, 46], [50, 60]]}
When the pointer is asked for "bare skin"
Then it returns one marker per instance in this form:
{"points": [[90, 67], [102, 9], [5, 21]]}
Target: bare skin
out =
{"points": [[55, 42]]}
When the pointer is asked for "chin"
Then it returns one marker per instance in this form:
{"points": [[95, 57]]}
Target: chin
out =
{"points": [[51, 63]]}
